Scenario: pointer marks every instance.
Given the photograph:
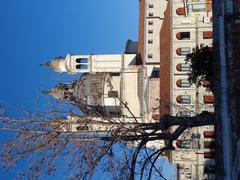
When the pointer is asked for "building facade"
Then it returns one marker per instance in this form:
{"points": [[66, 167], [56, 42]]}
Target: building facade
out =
{"points": [[187, 24], [128, 86], [116, 86]]}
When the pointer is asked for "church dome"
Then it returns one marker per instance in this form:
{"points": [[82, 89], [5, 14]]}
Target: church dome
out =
{"points": [[86, 93]]}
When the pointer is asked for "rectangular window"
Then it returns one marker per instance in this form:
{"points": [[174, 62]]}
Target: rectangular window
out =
{"points": [[150, 14], [185, 99], [185, 67], [112, 94], [155, 73], [195, 1], [197, 7], [183, 35], [150, 5], [185, 83], [207, 35], [150, 56], [150, 31], [150, 22], [115, 74], [150, 41], [185, 50]]}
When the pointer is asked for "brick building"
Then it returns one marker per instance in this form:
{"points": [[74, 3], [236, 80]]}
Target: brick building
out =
{"points": [[187, 24]]}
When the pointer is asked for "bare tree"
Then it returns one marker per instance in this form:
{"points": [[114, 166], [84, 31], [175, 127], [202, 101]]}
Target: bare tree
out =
{"points": [[88, 145]]}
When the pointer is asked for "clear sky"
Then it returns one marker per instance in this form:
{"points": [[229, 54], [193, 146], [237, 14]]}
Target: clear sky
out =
{"points": [[34, 31]]}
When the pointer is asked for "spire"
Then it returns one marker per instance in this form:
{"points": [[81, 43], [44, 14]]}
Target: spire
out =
{"points": [[46, 91], [48, 64]]}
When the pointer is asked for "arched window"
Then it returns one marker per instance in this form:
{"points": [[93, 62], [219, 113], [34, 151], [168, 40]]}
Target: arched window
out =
{"points": [[81, 60], [156, 117], [183, 83], [183, 144], [183, 51], [183, 67], [180, 11], [81, 66], [183, 99], [183, 35]]}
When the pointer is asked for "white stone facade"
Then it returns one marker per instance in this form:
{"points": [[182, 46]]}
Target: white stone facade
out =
{"points": [[92, 63], [191, 26], [153, 18]]}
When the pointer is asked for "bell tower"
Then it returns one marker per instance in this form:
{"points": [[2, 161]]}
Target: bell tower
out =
{"points": [[92, 63]]}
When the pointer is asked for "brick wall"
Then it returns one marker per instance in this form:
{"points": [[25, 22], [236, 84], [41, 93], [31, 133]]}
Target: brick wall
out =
{"points": [[165, 64], [141, 29]]}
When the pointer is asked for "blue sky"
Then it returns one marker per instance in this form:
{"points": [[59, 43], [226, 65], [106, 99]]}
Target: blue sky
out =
{"points": [[33, 32]]}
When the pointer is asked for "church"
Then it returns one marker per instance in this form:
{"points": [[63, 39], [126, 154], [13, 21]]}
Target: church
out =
{"points": [[150, 80], [117, 86]]}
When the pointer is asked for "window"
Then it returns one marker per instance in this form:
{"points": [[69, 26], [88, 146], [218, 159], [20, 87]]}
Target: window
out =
{"points": [[186, 144], [150, 14], [80, 128], [207, 35], [150, 31], [194, 1], [180, 11], [183, 35], [81, 60], [183, 83], [197, 7], [112, 94], [150, 56], [183, 67], [208, 99], [115, 114], [209, 134], [81, 66], [209, 144], [184, 99], [183, 51], [150, 22], [209, 155], [150, 5], [150, 41], [115, 74], [155, 73], [183, 114]]}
